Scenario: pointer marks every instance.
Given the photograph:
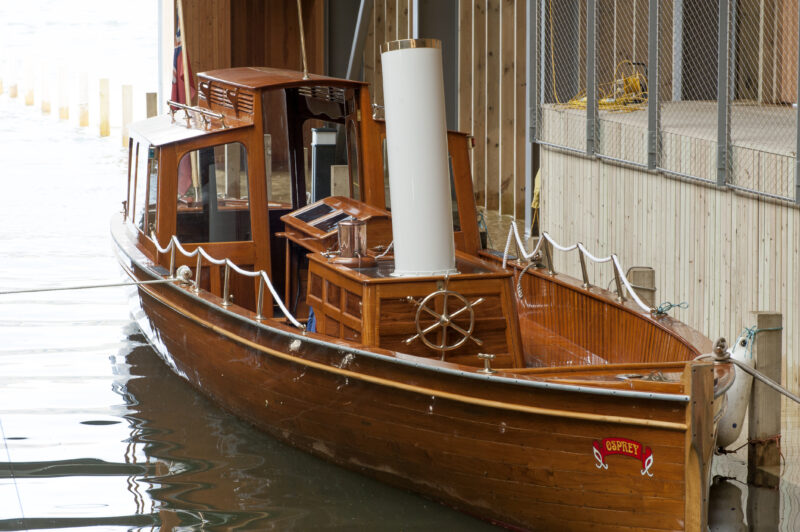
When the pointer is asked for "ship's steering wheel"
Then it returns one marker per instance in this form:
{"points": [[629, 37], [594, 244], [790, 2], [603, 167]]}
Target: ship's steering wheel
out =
{"points": [[444, 320]]}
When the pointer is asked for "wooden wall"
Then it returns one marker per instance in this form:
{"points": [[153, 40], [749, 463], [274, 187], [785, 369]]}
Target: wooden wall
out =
{"points": [[231, 33], [491, 86], [723, 252]]}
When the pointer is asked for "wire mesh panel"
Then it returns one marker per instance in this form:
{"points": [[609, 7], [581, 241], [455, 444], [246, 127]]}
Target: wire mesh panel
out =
{"points": [[688, 87], [622, 79], [763, 82], [562, 73]]}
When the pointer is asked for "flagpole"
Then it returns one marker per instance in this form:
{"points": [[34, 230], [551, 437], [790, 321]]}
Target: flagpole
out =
{"points": [[184, 55], [188, 91]]}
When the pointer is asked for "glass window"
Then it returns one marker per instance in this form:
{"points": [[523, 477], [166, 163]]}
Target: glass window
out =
{"points": [[146, 182], [132, 174], [276, 147], [213, 200], [352, 158]]}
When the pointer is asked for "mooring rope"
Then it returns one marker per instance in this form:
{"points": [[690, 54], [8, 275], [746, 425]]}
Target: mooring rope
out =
{"points": [[90, 286], [666, 306], [725, 356], [11, 469]]}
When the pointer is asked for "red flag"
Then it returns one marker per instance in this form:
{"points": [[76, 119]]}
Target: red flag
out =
{"points": [[179, 95], [178, 85]]}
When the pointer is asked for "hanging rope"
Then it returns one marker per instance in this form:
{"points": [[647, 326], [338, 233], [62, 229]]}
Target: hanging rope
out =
{"points": [[666, 306]]}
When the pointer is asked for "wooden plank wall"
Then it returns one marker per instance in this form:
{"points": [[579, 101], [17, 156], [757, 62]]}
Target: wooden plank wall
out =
{"points": [[231, 33], [724, 252], [491, 86]]}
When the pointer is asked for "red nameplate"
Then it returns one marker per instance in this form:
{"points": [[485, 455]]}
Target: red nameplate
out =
{"points": [[623, 446]]}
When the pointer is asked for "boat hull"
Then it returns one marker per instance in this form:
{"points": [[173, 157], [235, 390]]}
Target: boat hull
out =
{"points": [[505, 450]]}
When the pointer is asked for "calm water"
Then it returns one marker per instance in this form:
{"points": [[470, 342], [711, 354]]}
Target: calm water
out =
{"points": [[96, 431]]}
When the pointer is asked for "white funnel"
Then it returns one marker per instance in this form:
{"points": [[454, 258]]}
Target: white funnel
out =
{"points": [[416, 137]]}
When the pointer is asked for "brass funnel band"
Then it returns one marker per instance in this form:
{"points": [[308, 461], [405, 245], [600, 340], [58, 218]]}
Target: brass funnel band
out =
{"points": [[403, 44]]}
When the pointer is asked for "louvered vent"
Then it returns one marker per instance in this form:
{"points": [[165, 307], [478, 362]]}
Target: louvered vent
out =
{"points": [[236, 99], [328, 94]]}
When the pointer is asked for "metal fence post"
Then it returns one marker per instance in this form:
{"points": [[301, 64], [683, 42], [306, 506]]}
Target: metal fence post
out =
{"points": [[652, 86], [591, 82], [723, 107], [531, 105]]}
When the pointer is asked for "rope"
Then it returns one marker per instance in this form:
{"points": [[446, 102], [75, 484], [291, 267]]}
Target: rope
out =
{"points": [[89, 286], [482, 223], [174, 244], [726, 357], [757, 441], [513, 233], [388, 249], [666, 306], [11, 469]]}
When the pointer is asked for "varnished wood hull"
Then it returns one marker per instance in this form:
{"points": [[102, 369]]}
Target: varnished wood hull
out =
{"points": [[515, 451]]}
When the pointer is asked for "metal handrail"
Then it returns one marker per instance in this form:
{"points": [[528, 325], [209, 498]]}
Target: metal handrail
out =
{"points": [[174, 244], [619, 275]]}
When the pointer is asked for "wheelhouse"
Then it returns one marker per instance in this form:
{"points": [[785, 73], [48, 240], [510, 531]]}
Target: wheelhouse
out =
{"points": [[225, 175]]}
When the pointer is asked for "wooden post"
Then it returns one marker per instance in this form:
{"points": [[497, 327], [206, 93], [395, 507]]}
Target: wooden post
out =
{"points": [[127, 112], [45, 92], [29, 86], [105, 129], [643, 280], [12, 90], [764, 413], [83, 101], [152, 104], [63, 95]]}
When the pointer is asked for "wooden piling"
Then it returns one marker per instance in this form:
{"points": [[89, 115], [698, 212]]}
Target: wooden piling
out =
{"points": [[764, 413], [105, 128], [45, 92], [12, 90], [1, 85], [83, 101], [152, 104], [29, 86], [127, 112], [63, 95]]}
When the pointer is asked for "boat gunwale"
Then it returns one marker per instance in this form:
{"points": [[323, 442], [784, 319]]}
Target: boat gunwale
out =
{"points": [[282, 329]]}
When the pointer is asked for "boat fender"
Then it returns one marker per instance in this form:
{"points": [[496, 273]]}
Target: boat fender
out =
{"points": [[730, 425]]}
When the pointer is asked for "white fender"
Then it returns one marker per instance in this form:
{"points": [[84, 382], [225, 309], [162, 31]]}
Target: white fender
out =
{"points": [[730, 425]]}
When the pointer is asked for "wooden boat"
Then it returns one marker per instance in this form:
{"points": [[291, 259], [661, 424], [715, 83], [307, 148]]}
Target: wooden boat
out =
{"points": [[522, 396]]}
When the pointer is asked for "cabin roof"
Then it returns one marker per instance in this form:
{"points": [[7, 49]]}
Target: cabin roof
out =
{"points": [[261, 77], [161, 130]]}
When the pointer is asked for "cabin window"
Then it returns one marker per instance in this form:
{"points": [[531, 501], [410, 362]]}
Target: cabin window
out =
{"points": [[132, 175], [289, 117], [213, 199], [352, 159], [276, 147], [146, 185]]}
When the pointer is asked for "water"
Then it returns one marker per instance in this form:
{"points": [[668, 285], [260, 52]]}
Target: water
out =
{"points": [[95, 430]]}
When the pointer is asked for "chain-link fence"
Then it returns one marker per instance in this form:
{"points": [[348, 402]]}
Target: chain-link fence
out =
{"points": [[763, 73], [622, 76], [563, 75], [655, 70]]}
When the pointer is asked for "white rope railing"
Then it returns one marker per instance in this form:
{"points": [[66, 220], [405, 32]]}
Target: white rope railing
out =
{"points": [[200, 253], [619, 274]]}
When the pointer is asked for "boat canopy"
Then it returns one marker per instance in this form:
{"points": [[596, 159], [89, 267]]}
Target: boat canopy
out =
{"points": [[162, 130]]}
